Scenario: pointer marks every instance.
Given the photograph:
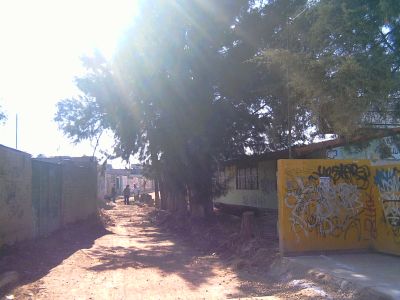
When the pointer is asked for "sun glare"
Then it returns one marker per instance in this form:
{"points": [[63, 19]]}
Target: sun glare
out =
{"points": [[41, 45]]}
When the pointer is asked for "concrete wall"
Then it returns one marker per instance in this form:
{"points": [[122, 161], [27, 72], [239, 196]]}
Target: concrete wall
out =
{"points": [[338, 205], [387, 181], [79, 191], [37, 203], [16, 216], [46, 196], [322, 204], [263, 197], [101, 184]]}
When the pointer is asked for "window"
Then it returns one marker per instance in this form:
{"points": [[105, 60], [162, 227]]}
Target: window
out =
{"points": [[247, 178], [220, 179]]}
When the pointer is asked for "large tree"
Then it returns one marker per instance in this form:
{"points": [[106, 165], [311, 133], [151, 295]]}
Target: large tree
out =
{"points": [[160, 97], [338, 59], [194, 82], [313, 67], [3, 116]]}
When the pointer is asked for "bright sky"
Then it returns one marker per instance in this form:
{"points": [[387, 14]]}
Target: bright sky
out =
{"points": [[41, 43]]}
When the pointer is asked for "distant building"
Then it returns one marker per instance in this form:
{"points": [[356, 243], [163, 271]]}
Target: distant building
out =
{"points": [[119, 178]]}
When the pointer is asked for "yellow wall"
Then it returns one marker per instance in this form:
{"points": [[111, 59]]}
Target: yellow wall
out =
{"points": [[338, 205], [387, 182], [264, 197], [324, 214]]}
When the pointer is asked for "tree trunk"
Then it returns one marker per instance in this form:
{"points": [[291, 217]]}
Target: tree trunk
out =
{"points": [[163, 194], [156, 195], [199, 208], [155, 162], [247, 227], [171, 202], [176, 202], [181, 204]]}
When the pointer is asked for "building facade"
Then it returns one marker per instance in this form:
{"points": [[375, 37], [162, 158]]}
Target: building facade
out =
{"points": [[251, 181], [120, 178]]}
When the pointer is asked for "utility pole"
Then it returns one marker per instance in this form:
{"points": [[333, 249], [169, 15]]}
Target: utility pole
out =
{"points": [[287, 95], [16, 131], [289, 117]]}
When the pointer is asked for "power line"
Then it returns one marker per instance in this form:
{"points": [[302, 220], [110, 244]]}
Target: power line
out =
{"points": [[16, 131]]}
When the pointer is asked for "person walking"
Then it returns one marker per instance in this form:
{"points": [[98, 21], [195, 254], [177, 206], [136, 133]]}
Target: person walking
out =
{"points": [[127, 193]]}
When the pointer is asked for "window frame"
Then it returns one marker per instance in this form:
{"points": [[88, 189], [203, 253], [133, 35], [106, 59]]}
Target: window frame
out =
{"points": [[247, 178]]}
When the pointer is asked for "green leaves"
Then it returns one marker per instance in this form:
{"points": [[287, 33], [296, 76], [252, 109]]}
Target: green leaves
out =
{"points": [[3, 116], [194, 82], [342, 61], [79, 118]]}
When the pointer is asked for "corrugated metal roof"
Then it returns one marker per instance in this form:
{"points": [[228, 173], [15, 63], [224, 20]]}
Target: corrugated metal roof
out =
{"points": [[304, 150]]}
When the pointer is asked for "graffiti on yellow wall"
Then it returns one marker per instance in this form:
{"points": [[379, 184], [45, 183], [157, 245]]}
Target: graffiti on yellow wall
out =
{"points": [[356, 174], [324, 208], [337, 205], [323, 205], [387, 181]]}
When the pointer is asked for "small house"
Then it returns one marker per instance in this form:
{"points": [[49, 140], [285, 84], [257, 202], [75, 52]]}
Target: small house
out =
{"points": [[251, 181]]}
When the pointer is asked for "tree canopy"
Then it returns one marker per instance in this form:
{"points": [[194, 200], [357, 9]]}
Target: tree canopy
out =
{"points": [[342, 60], [196, 82], [3, 116]]}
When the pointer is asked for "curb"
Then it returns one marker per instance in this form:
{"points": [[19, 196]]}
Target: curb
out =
{"points": [[286, 269]]}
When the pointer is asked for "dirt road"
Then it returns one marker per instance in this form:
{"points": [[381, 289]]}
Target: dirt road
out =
{"points": [[131, 259]]}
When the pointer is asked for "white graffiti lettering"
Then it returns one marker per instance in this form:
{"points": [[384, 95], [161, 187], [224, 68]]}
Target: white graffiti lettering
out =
{"points": [[325, 208]]}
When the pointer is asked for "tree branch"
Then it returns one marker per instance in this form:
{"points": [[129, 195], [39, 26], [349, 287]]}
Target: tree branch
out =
{"points": [[386, 42], [97, 143]]}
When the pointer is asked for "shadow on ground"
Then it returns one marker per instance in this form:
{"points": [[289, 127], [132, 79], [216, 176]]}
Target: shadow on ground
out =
{"points": [[193, 253], [32, 260], [198, 252], [154, 247]]}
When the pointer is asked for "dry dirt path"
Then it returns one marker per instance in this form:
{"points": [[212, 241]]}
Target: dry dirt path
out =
{"points": [[131, 259]]}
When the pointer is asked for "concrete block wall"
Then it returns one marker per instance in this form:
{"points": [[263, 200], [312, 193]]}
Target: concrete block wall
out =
{"points": [[16, 216]]}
